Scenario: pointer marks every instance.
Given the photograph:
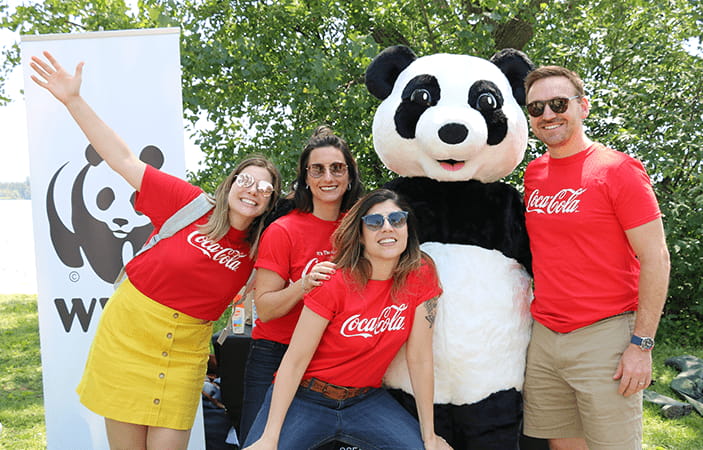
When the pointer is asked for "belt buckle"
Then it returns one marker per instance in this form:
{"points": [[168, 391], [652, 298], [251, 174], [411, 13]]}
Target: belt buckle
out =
{"points": [[342, 388]]}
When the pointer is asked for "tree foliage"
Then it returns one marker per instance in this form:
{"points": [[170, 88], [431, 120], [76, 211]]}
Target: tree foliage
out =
{"points": [[259, 76]]}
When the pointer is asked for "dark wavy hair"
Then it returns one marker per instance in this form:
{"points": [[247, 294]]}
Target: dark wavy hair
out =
{"points": [[323, 136], [349, 248]]}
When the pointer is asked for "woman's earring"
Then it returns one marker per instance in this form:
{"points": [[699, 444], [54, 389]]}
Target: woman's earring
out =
{"points": [[307, 186], [349, 186]]}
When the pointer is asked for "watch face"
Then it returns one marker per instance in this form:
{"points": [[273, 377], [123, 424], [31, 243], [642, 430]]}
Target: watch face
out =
{"points": [[647, 343]]}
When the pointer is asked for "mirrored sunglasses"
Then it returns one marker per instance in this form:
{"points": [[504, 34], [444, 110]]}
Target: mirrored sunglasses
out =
{"points": [[337, 169], [558, 105], [396, 219], [244, 180]]}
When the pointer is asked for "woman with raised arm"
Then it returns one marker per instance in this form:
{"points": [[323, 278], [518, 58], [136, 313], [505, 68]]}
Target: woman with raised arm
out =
{"points": [[293, 258], [382, 295], [147, 362]]}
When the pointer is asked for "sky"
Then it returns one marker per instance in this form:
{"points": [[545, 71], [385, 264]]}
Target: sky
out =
{"points": [[13, 123], [14, 154]]}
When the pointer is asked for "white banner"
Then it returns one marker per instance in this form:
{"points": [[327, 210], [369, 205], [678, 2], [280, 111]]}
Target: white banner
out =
{"points": [[85, 226]]}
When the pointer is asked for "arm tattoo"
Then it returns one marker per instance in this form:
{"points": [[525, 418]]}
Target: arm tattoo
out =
{"points": [[431, 307]]}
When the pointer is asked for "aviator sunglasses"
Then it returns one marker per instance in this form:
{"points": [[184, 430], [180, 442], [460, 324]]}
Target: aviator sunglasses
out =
{"points": [[244, 180], [374, 222], [558, 105], [337, 169]]}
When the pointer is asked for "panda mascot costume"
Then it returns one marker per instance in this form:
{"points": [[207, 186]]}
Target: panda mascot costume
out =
{"points": [[451, 126]]}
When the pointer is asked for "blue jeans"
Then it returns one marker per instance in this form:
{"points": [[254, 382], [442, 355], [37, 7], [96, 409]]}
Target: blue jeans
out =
{"points": [[370, 421], [264, 358]]}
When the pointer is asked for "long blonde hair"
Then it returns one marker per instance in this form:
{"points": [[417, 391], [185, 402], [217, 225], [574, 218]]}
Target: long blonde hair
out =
{"points": [[218, 224], [349, 249]]}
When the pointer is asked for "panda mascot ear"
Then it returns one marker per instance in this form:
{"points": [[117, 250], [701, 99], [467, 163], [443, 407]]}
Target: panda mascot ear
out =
{"points": [[515, 65], [385, 68]]}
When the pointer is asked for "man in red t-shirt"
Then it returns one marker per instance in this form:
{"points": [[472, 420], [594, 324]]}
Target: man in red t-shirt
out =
{"points": [[601, 270]]}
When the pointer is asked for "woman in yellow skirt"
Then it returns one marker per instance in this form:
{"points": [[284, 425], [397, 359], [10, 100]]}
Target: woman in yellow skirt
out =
{"points": [[145, 369]]}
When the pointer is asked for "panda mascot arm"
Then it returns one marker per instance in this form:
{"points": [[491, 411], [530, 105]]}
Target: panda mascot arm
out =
{"points": [[451, 126]]}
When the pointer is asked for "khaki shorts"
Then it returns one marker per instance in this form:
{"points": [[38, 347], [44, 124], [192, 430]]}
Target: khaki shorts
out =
{"points": [[569, 389]]}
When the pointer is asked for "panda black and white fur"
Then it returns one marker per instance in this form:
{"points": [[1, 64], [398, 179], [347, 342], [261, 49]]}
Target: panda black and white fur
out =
{"points": [[107, 230], [451, 126]]}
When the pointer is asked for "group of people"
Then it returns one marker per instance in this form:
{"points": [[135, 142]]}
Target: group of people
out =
{"points": [[341, 284]]}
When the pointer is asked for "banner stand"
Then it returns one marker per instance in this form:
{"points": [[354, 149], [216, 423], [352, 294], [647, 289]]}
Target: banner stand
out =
{"points": [[85, 226]]}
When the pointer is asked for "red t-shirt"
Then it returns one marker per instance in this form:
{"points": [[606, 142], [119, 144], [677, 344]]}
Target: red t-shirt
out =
{"points": [[290, 245], [187, 271], [577, 211], [366, 327]]}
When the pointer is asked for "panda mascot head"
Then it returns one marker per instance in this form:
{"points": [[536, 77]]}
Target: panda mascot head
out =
{"points": [[449, 117]]}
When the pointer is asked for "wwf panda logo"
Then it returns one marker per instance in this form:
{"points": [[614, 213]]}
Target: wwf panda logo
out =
{"points": [[105, 228]]}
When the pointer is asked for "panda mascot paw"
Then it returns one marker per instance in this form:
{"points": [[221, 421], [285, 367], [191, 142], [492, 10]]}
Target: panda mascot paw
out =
{"points": [[451, 126]]}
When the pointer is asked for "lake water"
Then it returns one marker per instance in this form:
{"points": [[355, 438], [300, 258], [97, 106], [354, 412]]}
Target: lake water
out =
{"points": [[18, 273]]}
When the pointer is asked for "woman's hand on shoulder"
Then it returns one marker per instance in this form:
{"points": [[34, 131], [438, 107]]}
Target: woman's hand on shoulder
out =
{"points": [[437, 443], [319, 273]]}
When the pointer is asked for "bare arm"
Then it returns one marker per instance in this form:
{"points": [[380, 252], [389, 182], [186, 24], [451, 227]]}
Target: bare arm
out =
{"points": [[421, 369], [274, 299], [66, 89], [649, 244], [303, 344]]}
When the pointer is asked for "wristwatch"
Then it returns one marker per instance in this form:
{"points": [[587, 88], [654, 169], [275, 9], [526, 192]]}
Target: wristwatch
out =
{"points": [[645, 343]]}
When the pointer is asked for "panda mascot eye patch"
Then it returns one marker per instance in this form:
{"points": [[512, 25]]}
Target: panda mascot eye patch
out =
{"points": [[486, 98], [421, 93]]}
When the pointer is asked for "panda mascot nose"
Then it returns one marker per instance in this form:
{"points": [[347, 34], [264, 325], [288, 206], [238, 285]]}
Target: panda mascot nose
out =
{"points": [[453, 133]]}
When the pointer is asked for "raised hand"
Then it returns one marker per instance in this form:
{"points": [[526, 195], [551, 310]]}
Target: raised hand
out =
{"points": [[55, 79], [66, 88]]}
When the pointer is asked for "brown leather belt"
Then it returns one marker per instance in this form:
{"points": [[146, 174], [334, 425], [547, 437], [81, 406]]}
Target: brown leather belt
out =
{"points": [[333, 391]]}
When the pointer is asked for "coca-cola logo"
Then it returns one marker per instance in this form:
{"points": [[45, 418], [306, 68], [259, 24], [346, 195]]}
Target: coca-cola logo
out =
{"points": [[565, 201], [390, 319], [228, 257]]}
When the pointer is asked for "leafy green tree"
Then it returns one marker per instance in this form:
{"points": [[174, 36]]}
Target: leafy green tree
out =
{"points": [[259, 76]]}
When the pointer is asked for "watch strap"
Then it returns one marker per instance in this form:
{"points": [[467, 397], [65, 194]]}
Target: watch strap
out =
{"points": [[645, 343]]}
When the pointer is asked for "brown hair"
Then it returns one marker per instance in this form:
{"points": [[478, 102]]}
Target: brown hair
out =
{"points": [[349, 249], [554, 71], [323, 136], [218, 224]]}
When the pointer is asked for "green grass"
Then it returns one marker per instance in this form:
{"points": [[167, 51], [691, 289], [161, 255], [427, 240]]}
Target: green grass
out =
{"points": [[22, 408], [21, 403], [685, 433]]}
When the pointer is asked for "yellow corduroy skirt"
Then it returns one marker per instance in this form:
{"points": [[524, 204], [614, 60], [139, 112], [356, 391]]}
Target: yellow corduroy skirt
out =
{"points": [[147, 362]]}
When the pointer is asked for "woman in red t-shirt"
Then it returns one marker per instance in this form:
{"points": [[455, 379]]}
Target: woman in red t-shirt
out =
{"points": [[145, 369], [293, 258], [381, 296]]}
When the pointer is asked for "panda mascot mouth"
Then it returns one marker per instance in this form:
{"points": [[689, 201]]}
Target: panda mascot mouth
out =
{"points": [[451, 165]]}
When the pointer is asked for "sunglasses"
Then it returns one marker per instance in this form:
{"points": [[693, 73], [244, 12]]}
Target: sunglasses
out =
{"points": [[244, 180], [396, 219], [558, 105], [337, 169]]}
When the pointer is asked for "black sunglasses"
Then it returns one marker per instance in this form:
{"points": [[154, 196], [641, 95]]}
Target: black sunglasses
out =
{"points": [[374, 222], [558, 105]]}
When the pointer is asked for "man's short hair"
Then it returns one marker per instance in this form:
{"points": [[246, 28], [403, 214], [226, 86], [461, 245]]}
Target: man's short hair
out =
{"points": [[554, 71]]}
